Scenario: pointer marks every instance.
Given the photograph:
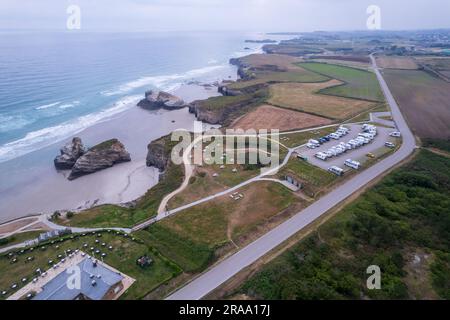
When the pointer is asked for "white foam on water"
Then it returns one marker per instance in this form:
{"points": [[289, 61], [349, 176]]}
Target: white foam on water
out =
{"points": [[44, 137], [165, 82], [8, 123], [239, 54], [46, 106], [69, 105]]}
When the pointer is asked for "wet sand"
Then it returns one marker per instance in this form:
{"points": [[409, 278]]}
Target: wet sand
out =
{"points": [[36, 187]]}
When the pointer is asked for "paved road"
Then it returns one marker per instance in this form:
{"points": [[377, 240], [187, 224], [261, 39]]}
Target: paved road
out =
{"points": [[226, 269], [376, 117]]}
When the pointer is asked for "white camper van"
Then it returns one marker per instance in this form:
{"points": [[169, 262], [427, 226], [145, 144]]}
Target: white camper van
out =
{"points": [[321, 156], [336, 170], [352, 164]]}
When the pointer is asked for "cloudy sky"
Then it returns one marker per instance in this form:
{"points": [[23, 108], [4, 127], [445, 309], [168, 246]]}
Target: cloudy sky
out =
{"points": [[245, 15]]}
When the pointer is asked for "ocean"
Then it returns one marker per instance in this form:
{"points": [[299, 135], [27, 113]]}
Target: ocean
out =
{"points": [[53, 85]]}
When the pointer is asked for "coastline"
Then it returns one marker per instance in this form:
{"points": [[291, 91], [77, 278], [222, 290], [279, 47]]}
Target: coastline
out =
{"points": [[35, 188]]}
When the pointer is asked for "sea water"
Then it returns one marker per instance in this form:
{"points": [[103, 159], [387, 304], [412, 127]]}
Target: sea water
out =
{"points": [[57, 85], [52, 85]]}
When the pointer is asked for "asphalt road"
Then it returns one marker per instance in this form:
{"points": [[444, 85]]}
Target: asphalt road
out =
{"points": [[227, 268]]}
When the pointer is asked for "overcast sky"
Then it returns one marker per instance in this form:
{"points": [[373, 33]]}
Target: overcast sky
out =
{"points": [[245, 15]]}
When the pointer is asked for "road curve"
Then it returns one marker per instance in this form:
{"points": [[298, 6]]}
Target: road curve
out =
{"points": [[227, 268]]}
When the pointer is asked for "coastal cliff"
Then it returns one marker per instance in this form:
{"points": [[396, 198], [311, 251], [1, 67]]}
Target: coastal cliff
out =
{"points": [[261, 41], [159, 99], [158, 154], [223, 110], [244, 71]]}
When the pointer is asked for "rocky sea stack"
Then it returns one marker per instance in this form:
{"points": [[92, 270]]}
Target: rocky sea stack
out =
{"points": [[159, 99], [158, 154], [104, 155], [69, 154]]}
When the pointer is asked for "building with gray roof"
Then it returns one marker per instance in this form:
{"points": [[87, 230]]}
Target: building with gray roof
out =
{"points": [[97, 282]]}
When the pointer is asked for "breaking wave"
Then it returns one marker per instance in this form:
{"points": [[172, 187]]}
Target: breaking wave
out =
{"points": [[44, 137], [165, 82]]}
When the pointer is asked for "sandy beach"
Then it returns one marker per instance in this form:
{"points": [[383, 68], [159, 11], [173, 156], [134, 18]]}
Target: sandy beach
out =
{"points": [[36, 187]]}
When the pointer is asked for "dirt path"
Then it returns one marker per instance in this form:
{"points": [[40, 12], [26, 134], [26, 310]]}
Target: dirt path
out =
{"points": [[188, 171]]}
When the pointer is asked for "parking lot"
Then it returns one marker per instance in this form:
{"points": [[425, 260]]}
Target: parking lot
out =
{"points": [[376, 147]]}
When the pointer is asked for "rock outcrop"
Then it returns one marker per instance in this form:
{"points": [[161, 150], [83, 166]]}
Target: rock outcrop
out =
{"points": [[206, 115], [223, 89], [158, 154], [69, 154], [159, 99], [226, 111], [261, 41], [226, 90], [102, 156], [243, 69]]}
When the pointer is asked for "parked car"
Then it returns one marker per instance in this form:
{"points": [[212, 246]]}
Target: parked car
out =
{"points": [[321, 156], [335, 136], [352, 164], [389, 144], [336, 170], [395, 134]]}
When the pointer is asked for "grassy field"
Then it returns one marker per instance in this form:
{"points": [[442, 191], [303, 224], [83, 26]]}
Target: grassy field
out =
{"points": [[270, 117], [359, 84], [423, 100], [122, 257], [306, 97], [405, 63], [108, 216], [275, 68], [438, 64], [437, 143], [189, 255], [345, 63], [315, 180], [401, 225], [274, 77], [221, 102], [191, 238], [203, 183], [18, 238]]}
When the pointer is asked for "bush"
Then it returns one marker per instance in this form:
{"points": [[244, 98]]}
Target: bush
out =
{"points": [[409, 209]]}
